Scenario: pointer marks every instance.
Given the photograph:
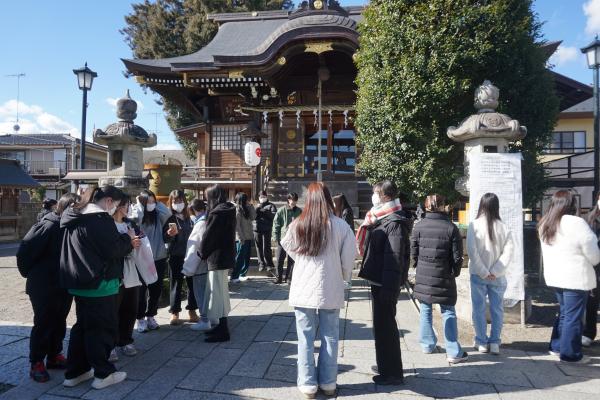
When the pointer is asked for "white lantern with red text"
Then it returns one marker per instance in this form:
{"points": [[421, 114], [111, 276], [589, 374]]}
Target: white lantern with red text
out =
{"points": [[252, 153]]}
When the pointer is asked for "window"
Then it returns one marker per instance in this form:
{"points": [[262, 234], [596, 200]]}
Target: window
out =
{"points": [[567, 142], [227, 137]]}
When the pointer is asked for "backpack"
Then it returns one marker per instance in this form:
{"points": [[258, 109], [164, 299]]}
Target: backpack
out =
{"points": [[31, 248]]}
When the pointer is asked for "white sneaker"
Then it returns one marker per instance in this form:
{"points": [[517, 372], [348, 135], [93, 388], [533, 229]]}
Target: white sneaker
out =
{"points": [[309, 392], [554, 353], [460, 358], [586, 341], [129, 350], [142, 325], [112, 379], [114, 357], [79, 379], [243, 278], [201, 326], [495, 348], [152, 324], [482, 348]]}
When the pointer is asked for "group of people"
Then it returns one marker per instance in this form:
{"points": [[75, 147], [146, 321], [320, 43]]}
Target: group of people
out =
{"points": [[84, 249]]}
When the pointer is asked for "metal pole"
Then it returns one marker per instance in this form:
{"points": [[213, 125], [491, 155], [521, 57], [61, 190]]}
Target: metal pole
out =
{"points": [[596, 135], [83, 118], [319, 173]]}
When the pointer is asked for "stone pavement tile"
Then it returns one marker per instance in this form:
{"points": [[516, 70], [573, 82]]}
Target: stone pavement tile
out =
{"points": [[348, 394], [261, 388], [15, 372], [145, 365], [264, 312], [181, 394], [584, 371], [561, 382], [520, 393], [357, 352], [14, 329], [284, 373], [287, 354], [438, 388], [50, 397], [29, 390], [6, 339], [6, 358], [256, 360], [494, 374], [114, 392], [241, 311], [186, 334], [209, 371], [243, 334], [197, 349], [145, 341], [19, 347], [164, 379], [356, 381], [76, 391], [358, 330], [420, 359], [274, 330]]}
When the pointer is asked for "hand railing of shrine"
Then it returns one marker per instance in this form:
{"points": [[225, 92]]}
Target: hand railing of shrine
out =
{"points": [[217, 173]]}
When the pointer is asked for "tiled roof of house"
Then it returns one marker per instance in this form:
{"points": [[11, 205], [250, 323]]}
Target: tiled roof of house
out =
{"points": [[42, 139], [14, 176]]}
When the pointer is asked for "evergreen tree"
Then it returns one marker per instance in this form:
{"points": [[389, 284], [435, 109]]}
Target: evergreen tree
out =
{"points": [[419, 63], [171, 28]]}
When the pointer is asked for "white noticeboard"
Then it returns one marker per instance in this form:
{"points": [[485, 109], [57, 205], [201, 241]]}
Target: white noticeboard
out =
{"points": [[500, 173]]}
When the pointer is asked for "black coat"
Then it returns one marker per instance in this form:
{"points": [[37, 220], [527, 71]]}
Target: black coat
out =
{"points": [[265, 214], [387, 251], [218, 241], [177, 245], [436, 248], [38, 257], [92, 249]]}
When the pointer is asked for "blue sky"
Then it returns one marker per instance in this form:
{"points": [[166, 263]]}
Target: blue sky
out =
{"points": [[46, 40]]}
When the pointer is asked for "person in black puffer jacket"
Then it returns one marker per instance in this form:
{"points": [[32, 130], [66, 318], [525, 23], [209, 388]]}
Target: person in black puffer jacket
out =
{"points": [[90, 268], [176, 233], [265, 214], [436, 248], [218, 249], [38, 259], [385, 266]]}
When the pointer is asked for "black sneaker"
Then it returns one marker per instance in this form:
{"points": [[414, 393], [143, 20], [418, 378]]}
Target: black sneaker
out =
{"points": [[388, 380], [374, 369]]}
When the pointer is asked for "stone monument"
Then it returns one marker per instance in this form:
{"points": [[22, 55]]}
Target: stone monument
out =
{"points": [[125, 141]]}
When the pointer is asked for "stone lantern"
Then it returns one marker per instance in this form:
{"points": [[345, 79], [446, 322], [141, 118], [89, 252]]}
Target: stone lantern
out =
{"points": [[125, 142], [485, 132]]}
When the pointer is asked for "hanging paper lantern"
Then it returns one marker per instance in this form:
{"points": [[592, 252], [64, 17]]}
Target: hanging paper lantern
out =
{"points": [[252, 153]]}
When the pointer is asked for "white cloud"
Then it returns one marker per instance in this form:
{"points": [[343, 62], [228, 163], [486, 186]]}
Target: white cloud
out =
{"points": [[564, 55], [32, 119], [591, 9]]}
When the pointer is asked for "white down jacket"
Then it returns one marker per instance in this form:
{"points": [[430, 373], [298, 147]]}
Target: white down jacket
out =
{"points": [[318, 282], [193, 264]]}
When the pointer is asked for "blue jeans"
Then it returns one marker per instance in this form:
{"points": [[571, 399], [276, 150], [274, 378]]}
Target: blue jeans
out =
{"points": [[566, 334], [325, 374], [242, 258], [427, 336], [494, 291], [200, 293]]}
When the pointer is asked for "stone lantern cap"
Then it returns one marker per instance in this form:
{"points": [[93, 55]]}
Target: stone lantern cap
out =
{"points": [[487, 123], [125, 131]]}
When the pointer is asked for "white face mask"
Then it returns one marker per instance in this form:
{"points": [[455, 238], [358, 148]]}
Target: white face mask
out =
{"points": [[178, 207], [376, 200], [262, 199], [150, 207], [112, 210], [598, 202]]}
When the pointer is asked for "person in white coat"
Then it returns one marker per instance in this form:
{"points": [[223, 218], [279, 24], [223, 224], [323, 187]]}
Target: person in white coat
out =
{"points": [[490, 249], [323, 248], [570, 251]]}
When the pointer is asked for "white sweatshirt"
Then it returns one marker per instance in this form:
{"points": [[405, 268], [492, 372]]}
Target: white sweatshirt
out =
{"points": [[487, 257]]}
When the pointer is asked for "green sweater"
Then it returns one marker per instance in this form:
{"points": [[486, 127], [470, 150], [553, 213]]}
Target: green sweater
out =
{"points": [[106, 288], [283, 219]]}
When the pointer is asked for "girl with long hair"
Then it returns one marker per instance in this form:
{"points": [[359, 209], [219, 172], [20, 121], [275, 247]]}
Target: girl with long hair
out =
{"points": [[591, 309], [90, 269], [151, 216], [342, 209], [217, 248], [570, 251], [176, 232], [490, 249], [323, 248], [244, 215]]}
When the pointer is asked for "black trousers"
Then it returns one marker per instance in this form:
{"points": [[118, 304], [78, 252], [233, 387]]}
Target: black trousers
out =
{"points": [[387, 338], [281, 256], [127, 308], [93, 336], [150, 294], [591, 314], [263, 248], [176, 280], [50, 309]]}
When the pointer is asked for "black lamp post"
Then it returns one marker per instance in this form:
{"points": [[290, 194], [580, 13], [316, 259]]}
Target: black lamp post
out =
{"points": [[592, 52], [85, 77]]}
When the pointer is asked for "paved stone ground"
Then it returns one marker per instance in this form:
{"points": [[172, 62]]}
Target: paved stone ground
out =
{"points": [[259, 361]]}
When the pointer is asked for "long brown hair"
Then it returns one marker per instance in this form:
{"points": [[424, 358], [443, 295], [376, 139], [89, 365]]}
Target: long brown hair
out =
{"points": [[311, 227], [341, 203], [562, 203], [593, 215], [489, 206]]}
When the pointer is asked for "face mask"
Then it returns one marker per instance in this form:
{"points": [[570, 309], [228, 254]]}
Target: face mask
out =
{"points": [[112, 210], [178, 207], [262, 199], [150, 207], [292, 204], [376, 200]]}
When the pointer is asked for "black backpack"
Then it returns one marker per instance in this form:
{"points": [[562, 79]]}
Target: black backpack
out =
{"points": [[31, 248]]}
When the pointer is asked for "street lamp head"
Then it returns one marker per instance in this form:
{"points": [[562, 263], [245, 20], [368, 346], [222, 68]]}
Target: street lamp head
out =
{"points": [[592, 52], [85, 77]]}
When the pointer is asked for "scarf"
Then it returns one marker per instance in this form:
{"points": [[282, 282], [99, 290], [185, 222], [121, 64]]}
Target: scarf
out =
{"points": [[375, 214]]}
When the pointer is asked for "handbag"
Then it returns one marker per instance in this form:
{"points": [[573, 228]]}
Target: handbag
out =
{"points": [[130, 274], [144, 261]]}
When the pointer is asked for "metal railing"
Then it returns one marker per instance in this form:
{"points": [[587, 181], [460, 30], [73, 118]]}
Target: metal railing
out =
{"points": [[57, 167], [217, 173]]}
